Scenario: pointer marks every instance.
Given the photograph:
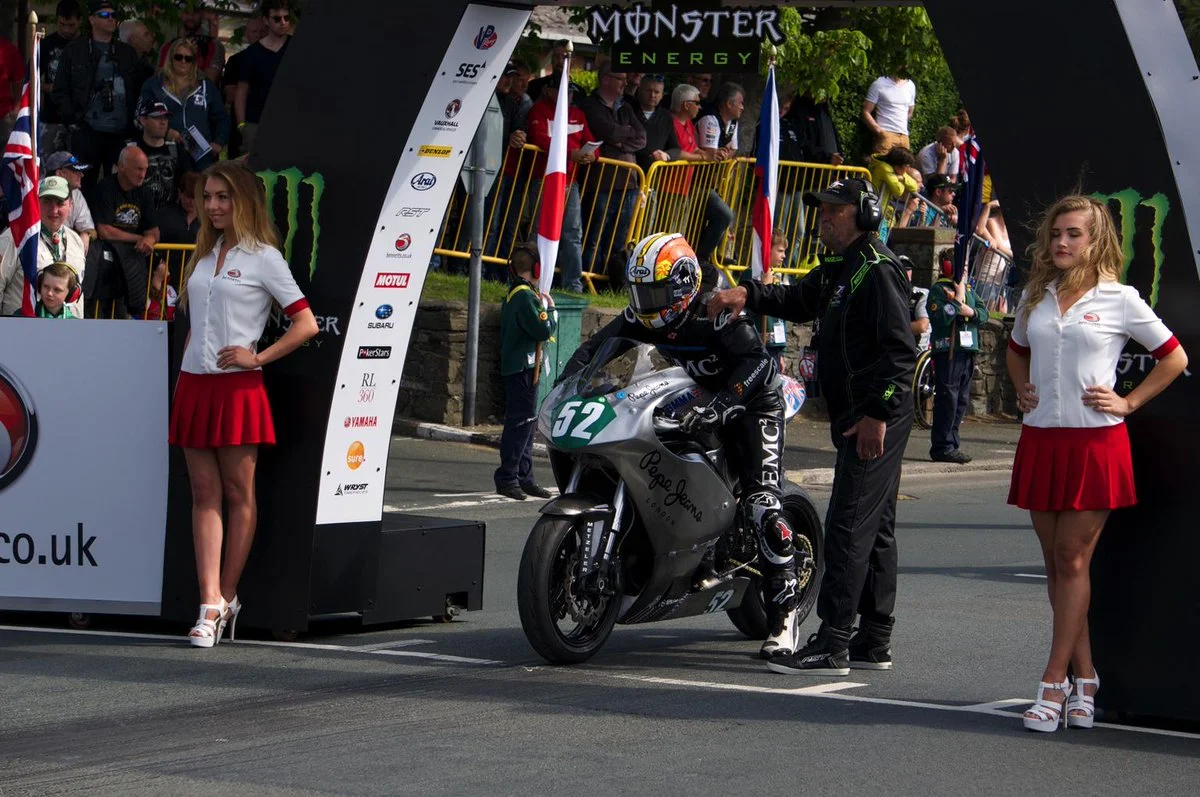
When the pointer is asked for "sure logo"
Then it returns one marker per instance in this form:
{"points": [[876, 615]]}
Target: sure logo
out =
{"points": [[391, 279], [18, 428], [423, 181], [356, 455]]}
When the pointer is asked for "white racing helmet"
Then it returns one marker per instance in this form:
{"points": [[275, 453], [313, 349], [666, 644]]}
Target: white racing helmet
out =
{"points": [[663, 277]]}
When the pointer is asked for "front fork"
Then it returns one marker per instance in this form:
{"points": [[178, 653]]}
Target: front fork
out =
{"points": [[599, 536]]}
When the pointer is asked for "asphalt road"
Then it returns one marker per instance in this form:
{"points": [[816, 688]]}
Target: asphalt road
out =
{"points": [[682, 707]]}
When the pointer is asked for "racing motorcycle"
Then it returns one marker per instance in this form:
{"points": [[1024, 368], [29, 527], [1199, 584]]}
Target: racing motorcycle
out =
{"points": [[647, 525]]}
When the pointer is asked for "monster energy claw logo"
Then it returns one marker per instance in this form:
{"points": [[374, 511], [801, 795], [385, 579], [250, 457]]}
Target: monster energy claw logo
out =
{"points": [[293, 178], [1129, 201]]}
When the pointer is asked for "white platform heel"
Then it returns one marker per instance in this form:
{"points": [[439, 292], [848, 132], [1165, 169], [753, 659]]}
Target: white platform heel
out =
{"points": [[205, 633], [1084, 703], [229, 617], [1047, 714]]}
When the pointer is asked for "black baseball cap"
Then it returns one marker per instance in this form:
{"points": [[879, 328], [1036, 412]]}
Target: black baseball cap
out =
{"points": [[937, 181], [100, 5], [510, 68], [847, 191]]}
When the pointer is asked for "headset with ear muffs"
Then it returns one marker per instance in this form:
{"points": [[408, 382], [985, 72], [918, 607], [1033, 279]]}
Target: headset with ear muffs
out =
{"points": [[74, 290], [869, 216], [531, 251]]}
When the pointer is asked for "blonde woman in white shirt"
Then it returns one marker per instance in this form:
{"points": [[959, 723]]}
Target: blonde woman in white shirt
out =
{"points": [[1073, 462], [220, 414]]}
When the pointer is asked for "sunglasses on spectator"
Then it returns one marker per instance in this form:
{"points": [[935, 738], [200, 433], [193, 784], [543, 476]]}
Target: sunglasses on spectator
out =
{"points": [[280, 17], [106, 14], [655, 78], [187, 59]]}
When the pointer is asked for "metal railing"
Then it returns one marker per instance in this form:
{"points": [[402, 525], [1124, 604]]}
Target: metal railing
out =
{"points": [[989, 274], [171, 258]]}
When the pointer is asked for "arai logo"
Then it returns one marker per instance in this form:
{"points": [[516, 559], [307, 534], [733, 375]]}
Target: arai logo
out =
{"points": [[423, 181]]}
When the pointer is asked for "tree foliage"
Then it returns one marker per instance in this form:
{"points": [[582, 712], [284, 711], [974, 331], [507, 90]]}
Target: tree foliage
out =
{"points": [[163, 17]]}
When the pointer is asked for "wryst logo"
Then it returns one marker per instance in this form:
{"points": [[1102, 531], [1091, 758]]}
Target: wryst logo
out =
{"points": [[374, 352], [18, 428], [391, 280], [351, 489], [21, 549]]}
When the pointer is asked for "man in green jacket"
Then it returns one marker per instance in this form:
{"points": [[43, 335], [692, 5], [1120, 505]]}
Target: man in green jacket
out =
{"points": [[955, 313], [526, 320]]}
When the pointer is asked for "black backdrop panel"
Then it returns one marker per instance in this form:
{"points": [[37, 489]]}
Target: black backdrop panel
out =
{"points": [[1060, 105]]}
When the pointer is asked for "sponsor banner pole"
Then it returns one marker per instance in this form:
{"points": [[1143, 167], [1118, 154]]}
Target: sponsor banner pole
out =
{"points": [[478, 165]]}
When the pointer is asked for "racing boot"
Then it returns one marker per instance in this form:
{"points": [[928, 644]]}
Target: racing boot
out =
{"points": [[781, 597], [827, 653], [871, 645]]}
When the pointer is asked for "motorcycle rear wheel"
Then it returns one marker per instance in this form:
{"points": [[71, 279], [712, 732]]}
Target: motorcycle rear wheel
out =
{"points": [[545, 590], [750, 617]]}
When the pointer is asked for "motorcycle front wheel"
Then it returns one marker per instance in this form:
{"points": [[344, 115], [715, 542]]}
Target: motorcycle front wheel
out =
{"points": [[565, 622], [750, 617]]}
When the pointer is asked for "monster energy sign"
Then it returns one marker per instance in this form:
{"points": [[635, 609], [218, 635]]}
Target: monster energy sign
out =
{"points": [[1128, 202], [699, 37], [292, 180]]}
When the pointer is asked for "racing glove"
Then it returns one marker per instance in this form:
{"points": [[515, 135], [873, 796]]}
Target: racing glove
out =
{"points": [[716, 414]]}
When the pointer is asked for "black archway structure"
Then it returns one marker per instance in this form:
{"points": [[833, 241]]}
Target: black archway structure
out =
{"points": [[360, 163]]}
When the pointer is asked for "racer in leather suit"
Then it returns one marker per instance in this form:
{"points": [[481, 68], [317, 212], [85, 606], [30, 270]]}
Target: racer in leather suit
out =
{"points": [[725, 356]]}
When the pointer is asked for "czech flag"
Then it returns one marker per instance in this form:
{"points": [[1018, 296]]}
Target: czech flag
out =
{"points": [[554, 185], [766, 169], [19, 181]]}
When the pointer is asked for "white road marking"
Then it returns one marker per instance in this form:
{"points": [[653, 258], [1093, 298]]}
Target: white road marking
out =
{"points": [[395, 643], [176, 640], [1029, 575], [833, 691], [463, 495], [499, 499]]}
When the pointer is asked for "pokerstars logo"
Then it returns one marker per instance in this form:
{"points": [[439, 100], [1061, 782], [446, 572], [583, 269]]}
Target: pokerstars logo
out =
{"points": [[361, 422], [486, 38], [356, 455], [18, 428], [392, 279], [374, 352]]}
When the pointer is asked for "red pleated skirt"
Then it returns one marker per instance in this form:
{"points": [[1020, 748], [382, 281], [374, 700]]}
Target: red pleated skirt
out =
{"points": [[218, 410], [1060, 469]]}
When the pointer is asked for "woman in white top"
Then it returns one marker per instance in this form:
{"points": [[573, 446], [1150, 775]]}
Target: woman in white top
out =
{"points": [[220, 414], [1073, 463]]}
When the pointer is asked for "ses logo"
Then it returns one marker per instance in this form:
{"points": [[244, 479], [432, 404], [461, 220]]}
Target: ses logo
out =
{"points": [[468, 72], [18, 428], [382, 312], [393, 279], [374, 352], [486, 38], [452, 109], [423, 181], [403, 242], [356, 455]]}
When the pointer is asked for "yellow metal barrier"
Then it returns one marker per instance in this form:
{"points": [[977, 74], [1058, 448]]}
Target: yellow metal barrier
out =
{"points": [[607, 187], [173, 257], [677, 197], [791, 213]]}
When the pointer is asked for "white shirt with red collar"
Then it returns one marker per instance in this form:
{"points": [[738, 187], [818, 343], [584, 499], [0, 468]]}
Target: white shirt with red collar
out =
{"points": [[232, 308], [1081, 348]]}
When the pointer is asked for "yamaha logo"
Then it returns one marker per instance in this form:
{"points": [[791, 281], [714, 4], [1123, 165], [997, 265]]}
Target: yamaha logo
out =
{"points": [[18, 428], [423, 181]]}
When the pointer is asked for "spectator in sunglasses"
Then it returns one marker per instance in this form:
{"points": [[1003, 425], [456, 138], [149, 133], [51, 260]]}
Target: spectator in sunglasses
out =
{"points": [[199, 121], [210, 53], [259, 64], [96, 90]]}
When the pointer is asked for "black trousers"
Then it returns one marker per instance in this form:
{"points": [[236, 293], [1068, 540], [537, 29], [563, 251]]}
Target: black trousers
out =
{"points": [[860, 531], [952, 395], [520, 422]]}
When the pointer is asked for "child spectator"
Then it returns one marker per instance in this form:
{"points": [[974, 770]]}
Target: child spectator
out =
{"points": [[955, 314], [57, 284], [526, 320]]}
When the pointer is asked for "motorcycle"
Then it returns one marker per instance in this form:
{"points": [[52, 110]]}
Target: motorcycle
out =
{"points": [[647, 525]]}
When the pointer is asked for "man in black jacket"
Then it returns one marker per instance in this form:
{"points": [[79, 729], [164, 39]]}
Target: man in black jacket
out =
{"points": [[724, 355], [865, 363], [95, 92]]}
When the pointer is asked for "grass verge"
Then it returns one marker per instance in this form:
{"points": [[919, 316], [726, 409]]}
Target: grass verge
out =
{"points": [[453, 287]]}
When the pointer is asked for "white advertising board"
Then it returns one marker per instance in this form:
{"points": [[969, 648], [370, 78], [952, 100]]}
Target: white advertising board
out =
{"points": [[83, 465], [377, 334]]}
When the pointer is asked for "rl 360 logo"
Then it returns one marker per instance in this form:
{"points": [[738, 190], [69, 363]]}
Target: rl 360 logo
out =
{"points": [[18, 428]]}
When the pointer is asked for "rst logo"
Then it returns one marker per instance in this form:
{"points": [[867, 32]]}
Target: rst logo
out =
{"points": [[469, 72], [412, 213], [391, 279], [374, 352]]}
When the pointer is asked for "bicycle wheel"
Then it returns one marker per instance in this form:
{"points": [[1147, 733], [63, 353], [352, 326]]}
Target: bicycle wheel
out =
{"points": [[923, 384]]}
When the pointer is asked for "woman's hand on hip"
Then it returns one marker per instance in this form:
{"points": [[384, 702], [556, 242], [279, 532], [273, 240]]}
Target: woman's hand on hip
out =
{"points": [[237, 357], [1027, 397], [1104, 399]]}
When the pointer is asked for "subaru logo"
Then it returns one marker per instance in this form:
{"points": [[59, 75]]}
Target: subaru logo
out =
{"points": [[423, 181], [18, 428], [383, 311]]}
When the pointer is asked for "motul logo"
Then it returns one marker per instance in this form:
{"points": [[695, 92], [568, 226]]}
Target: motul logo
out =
{"points": [[391, 280]]}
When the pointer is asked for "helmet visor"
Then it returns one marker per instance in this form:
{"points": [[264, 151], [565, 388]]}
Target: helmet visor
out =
{"points": [[651, 298]]}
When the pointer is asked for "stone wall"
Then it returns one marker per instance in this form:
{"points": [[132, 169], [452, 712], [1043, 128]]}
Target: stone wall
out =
{"points": [[432, 386]]}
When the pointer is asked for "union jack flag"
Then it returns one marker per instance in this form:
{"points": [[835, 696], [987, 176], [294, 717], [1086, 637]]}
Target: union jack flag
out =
{"points": [[19, 181], [970, 201]]}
